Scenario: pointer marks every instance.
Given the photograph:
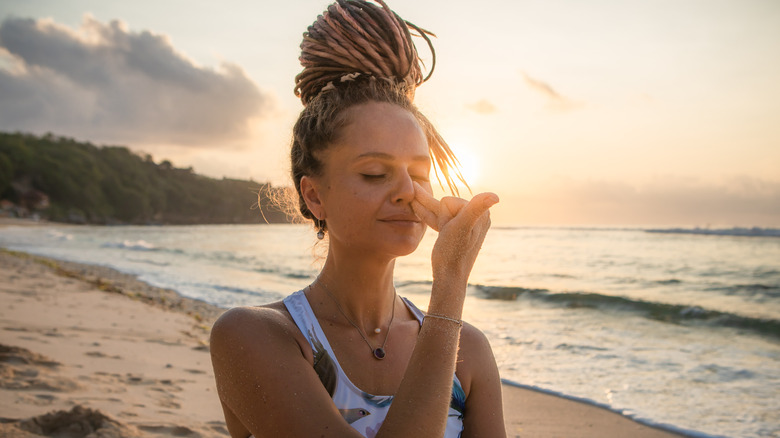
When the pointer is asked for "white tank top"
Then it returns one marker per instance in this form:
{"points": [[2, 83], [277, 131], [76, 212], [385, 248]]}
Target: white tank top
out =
{"points": [[364, 412]]}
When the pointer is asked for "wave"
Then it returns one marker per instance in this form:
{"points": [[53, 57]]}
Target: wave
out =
{"points": [[138, 245], [671, 313], [59, 235], [762, 272], [403, 284], [287, 273], [668, 281], [753, 290], [235, 290], [736, 231], [150, 262]]}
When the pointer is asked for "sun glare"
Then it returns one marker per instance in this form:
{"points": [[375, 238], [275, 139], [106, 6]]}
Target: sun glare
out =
{"points": [[469, 163]]}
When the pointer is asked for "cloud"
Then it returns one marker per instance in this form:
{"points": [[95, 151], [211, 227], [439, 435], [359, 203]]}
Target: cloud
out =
{"points": [[555, 101], [483, 106], [107, 83]]}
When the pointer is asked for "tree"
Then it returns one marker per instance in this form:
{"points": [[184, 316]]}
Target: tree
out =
{"points": [[113, 185]]}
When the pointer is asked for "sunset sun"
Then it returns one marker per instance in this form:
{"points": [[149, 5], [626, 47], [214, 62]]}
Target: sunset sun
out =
{"points": [[469, 163]]}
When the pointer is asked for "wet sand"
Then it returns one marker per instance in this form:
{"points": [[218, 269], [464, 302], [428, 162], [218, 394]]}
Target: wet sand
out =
{"points": [[89, 348]]}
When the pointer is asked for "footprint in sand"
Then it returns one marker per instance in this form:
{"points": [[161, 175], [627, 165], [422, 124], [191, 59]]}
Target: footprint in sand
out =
{"points": [[168, 430], [21, 369], [79, 421], [101, 355], [36, 399], [16, 329]]}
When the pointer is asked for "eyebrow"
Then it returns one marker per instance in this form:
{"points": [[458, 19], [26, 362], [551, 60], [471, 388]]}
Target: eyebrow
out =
{"points": [[388, 157]]}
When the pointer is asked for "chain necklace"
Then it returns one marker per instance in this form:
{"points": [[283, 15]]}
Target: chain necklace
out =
{"points": [[379, 352]]}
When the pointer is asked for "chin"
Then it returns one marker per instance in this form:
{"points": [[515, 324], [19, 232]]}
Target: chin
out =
{"points": [[389, 242], [404, 247]]}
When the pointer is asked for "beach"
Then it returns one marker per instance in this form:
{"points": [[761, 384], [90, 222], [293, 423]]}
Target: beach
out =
{"points": [[88, 347]]}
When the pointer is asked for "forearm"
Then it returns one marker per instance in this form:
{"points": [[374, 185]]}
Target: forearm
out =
{"points": [[422, 401]]}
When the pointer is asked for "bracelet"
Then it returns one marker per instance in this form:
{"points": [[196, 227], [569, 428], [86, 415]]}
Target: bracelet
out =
{"points": [[446, 318]]}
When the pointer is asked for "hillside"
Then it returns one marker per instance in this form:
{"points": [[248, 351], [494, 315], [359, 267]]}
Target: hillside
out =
{"points": [[61, 179]]}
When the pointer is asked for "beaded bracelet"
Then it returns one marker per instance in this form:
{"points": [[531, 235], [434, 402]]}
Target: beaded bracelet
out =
{"points": [[446, 318]]}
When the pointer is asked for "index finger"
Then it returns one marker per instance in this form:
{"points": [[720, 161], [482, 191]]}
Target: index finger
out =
{"points": [[428, 212], [478, 205], [426, 199]]}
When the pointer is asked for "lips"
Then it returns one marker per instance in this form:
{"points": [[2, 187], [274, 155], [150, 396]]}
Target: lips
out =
{"points": [[404, 217]]}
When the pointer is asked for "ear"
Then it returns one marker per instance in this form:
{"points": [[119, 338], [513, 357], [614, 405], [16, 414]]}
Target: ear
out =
{"points": [[311, 196]]}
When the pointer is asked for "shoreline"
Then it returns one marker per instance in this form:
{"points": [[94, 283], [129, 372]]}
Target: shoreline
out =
{"points": [[178, 324]]}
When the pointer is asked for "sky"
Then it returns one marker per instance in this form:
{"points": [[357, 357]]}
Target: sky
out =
{"points": [[597, 113]]}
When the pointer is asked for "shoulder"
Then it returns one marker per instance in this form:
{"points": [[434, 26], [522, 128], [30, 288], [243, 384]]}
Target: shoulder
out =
{"points": [[474, 345], [481, 383], [473, 338], [254, 327], [243, 319], [474, 355]]}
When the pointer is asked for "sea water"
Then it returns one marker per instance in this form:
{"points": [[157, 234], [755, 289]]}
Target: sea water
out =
{"points": [[679, 329]]}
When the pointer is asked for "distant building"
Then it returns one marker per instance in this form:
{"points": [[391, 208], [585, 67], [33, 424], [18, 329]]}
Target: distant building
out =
{"points": [[34, 200]]}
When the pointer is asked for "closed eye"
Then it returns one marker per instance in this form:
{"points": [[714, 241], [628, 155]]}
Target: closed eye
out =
{"points": [[373, 177]]}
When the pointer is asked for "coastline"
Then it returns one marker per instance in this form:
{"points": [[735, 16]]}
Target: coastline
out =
{"points": [[103, 340]]}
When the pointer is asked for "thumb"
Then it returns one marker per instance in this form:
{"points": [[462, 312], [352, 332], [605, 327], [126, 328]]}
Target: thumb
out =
{"points": [[478, 205]]}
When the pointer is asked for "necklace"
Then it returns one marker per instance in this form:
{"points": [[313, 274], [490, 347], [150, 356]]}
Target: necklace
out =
{"points": [[379, 352]]}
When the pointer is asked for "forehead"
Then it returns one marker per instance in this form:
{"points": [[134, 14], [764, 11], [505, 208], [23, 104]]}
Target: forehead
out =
{"points": [[382, 128]]}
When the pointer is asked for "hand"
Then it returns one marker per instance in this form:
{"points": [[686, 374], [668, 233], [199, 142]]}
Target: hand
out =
{"points": [[462, 227]]}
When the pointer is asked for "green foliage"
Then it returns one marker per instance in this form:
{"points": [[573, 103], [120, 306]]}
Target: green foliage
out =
{"points": [[112, 185], [6, 174]]}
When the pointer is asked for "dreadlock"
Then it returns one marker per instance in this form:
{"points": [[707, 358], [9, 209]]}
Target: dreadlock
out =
{"points": [[357, 36]]}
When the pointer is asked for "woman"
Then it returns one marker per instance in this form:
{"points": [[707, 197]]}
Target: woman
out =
{"points": [[346, 356]]}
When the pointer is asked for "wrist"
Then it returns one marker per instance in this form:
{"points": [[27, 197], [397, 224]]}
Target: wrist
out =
{"points": [[453, 275], [447, 299], [443, 319]]}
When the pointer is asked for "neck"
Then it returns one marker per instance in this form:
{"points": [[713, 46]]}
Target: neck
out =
{"points": [[362, 287]]}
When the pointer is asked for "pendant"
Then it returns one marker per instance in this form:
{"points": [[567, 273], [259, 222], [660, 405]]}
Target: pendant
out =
{"points": [[379, 353]]}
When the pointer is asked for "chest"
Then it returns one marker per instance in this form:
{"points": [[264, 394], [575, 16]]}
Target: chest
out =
{"points": [[356, 358]]}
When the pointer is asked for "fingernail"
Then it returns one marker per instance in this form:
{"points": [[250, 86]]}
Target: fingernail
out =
{"points": [[491, 200]]}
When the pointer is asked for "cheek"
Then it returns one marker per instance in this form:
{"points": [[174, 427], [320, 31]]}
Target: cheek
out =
{"points": [[354, 197], [362, 193]]}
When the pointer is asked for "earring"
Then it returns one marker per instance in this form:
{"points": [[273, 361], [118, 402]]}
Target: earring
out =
{"points": [[321, 234]]}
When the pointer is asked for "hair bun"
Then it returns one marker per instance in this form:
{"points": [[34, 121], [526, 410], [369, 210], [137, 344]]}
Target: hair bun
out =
{"points": [[358, 36]]}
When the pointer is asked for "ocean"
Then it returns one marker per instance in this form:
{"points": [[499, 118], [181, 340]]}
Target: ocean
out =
{"points": [[675, 328]]}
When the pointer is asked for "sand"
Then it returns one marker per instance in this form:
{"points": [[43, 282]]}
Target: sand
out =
{"points": [[87, 350]]}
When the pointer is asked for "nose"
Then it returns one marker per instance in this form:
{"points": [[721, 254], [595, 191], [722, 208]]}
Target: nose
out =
{"points": [[404, 189]]}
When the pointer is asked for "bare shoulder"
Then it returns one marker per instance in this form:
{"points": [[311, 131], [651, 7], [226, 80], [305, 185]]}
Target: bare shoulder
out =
{"points": [[237, 317], [479, 375], [471, 337], [474, 355], [254, 327], [258, 355]]}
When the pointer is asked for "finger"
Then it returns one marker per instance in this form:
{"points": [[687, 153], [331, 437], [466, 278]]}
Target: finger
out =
{"points": [[428, 217], [425, 199], [452, 205], [475, 208]]}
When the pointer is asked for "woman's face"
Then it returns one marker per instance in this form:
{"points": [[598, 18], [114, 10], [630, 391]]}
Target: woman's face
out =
{"points": [[366, 188]]}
